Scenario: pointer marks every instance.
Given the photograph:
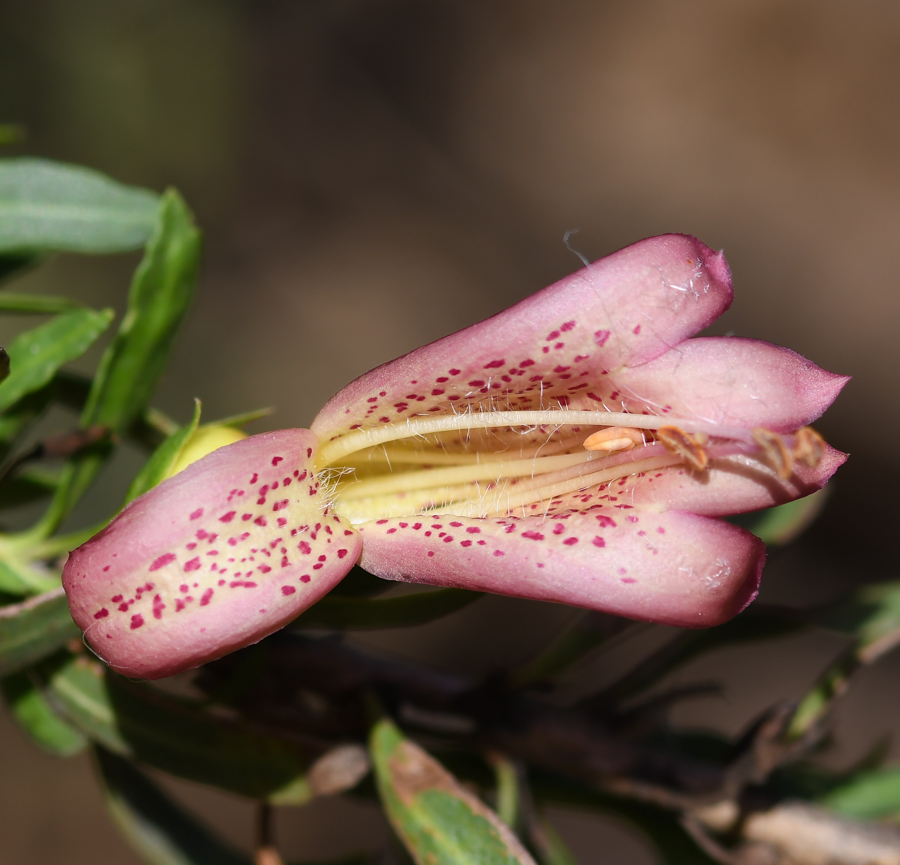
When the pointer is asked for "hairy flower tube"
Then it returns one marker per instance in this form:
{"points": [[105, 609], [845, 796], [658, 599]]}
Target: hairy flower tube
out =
{"points": [[575, 448]]}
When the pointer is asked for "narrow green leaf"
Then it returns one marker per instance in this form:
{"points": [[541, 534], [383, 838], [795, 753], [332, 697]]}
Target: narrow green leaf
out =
{"points": [[130, 368], [37, 354], [11, 133], [160, 293], [780, 525], [364, 613], [439, 821], [177, 736], [12, 265], [28, 486], [159, 465], [156, 826], [33, 629], [552, 850], [662, 828], [35, 304], [37, 717], [871, 615], [755, 623], [53, 206], [872, 795], [239, 421]]}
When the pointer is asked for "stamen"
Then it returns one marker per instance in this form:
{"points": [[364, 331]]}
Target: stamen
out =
{"points": [[614, 439], [678, 442], [490, 471], [774, 451], [335, 450], [808, 447]]}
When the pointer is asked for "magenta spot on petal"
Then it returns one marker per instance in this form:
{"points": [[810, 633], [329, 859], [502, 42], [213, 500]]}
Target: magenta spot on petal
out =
{"points": [[116, 599], [227, 518], [570, 542], [465, 543], [598, 542], [261, 521], [305, 578], [162, 561], [628, 580], [495, 364], [105, 569], [197, 514], [276, 460], [637, 329], [499, 553], [193, 564], [600, 337], [606, 522], [661, 530], [341, 553], [206, 597], [136, 621], [473, 530], [288, 590], [101, 614], [533, 536], [304, 548]]}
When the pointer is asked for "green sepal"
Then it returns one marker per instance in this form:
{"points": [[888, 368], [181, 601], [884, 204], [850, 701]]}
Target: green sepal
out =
{"points": [[158, 467], [175, 735], [50, 206], [438, 820], [34, 714], [33, 629], [418, 608]]}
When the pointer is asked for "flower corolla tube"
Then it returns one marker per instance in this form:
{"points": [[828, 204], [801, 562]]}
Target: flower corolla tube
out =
{"points": [[577, 447]]}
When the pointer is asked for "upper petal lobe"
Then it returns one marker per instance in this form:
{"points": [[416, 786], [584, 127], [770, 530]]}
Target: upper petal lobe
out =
{"points": [[629, 307]]}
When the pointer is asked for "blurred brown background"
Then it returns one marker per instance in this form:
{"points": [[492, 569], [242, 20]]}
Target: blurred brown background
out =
{"points": [[373, 175]]}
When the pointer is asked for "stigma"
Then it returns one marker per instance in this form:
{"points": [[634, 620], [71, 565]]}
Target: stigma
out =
{"points": [[509, 463]]}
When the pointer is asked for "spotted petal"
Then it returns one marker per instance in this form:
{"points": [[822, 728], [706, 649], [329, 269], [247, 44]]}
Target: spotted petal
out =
{"points": [[213, 559], [627, 308], [675, 568]]}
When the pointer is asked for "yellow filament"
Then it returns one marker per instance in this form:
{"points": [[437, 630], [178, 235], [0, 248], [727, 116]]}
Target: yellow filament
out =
{"points": [[490, 471]]}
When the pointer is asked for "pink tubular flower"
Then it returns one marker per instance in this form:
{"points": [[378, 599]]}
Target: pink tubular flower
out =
{"points": [[575, 448]]}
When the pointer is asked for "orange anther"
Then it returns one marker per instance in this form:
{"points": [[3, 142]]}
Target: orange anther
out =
{"points": [[614, 439], [775, 451], [684, 445], [808, 446]]}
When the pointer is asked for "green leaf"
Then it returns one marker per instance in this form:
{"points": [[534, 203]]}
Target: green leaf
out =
{"points": [[32, 629], [37, 717], [662, 828], [28, 486], [871, 615], [407, 610], [439, 821], [872, 795], [47, 206], [159, 465], [175, 735], [36, 355], [552, 849], [14, 264], [755, 623], [35, 304], [130, 368], [160, 293], [780, 525], [154, 824], [11, 133]]}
